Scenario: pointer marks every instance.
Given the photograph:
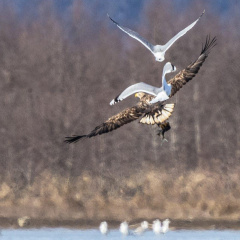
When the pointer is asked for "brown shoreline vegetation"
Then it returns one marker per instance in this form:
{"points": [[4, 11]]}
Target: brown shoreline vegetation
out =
{"points": [[192, 197], [58, 73]]}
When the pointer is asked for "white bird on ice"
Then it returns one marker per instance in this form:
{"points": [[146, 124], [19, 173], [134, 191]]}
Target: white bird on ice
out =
{"points": [[103, 227], [165, 226], [161, 93], [156, 226], [142, 228], [157, 50], [124, 228]]}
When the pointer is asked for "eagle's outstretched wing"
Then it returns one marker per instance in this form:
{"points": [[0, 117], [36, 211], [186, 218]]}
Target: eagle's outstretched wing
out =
{"points": [[160, 113], [126, 116], [189, 72]]}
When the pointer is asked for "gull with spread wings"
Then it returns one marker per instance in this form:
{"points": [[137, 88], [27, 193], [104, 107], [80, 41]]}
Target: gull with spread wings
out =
{"points": [[156, 113], [157, 50], [161, 94], [169, 88]]}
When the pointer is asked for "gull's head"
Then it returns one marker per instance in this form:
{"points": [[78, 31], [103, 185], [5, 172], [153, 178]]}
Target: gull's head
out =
{"points": [[139, 95], [160, 59], [174, 69], [168, 68], [166, 221], [124, 225], [156, 221], [144, 225], [159, 56]]}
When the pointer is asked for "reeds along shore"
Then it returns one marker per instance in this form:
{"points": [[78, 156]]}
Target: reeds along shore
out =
{"points": [[147, 195], [58, 73]]}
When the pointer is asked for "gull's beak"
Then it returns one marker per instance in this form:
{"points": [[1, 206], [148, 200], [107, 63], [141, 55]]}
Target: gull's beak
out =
{"points": [[136, 95]]}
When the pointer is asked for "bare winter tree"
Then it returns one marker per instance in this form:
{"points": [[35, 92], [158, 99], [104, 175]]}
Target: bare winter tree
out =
{"points": [[58, 75]]}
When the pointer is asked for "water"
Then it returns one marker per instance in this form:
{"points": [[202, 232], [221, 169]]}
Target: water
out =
{"points": [[65, 234]]}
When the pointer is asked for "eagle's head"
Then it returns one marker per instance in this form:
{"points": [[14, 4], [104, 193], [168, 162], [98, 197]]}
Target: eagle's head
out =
{"points": [[140, 95], [144, 97]]}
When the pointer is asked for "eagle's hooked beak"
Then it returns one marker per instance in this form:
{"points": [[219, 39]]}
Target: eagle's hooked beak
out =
{"points": [[136, 95]]}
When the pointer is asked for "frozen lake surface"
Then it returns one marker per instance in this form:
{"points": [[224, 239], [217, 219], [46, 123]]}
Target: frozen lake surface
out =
{"points": [[73, 234]]}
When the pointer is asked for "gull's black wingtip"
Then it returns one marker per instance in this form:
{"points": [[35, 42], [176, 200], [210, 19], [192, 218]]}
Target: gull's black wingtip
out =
{"points": [[201, 14], [112, 19], [73, 139]]}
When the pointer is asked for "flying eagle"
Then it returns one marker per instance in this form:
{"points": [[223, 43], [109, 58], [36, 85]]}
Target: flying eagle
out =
{"points": [[157, 50], [169, 88], [156, 113], [152, 114]]}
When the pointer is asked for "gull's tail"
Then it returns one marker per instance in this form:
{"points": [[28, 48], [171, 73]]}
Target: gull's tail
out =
{"points": [[74, 138]]}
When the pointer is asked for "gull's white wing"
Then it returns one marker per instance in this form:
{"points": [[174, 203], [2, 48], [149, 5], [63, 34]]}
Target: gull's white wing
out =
{"points": [[135, 35], [180, 34], [138, 87]]}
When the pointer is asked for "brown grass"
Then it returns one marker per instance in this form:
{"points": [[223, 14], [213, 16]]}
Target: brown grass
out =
{"points": [[150, 194]]}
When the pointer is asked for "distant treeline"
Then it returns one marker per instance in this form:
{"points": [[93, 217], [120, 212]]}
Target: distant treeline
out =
{"points": [[58, 73]]}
